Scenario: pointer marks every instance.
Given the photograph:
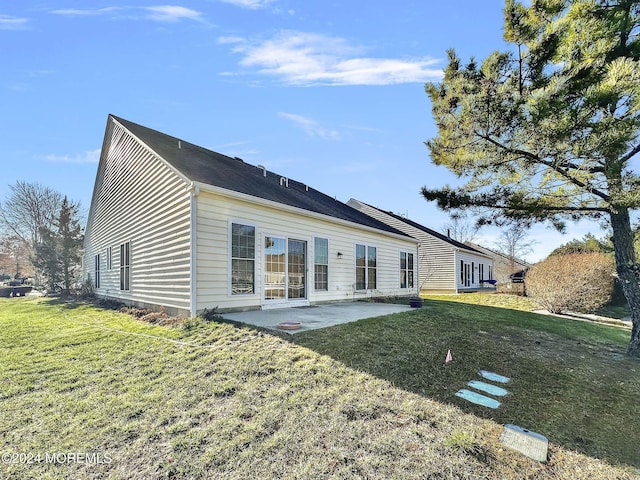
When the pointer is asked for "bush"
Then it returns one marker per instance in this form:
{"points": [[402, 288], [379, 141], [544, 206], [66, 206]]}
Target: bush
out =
{"points": [[87, 289], [210, 314], [579, 282]]}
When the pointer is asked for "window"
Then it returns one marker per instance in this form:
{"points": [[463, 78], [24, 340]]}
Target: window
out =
{"points": [[321, 263], [96, 262], [461, 272], [490, 272], [406, 270], [372, 268], [109, 258], [473, 272], [243, 251], [366, 267], [481, 272], [125, 266]]}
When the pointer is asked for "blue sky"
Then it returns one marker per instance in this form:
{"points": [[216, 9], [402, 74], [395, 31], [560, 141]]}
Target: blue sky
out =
{"points": [[330, 93]]}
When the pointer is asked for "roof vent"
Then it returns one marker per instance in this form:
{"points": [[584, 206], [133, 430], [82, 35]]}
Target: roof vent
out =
{"points": [[284, 181], [238, 159], [306, 188], [179, 144], [264, 170]]}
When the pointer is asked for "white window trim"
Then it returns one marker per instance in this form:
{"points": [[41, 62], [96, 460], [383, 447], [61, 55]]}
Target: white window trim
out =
{"points": [[366, 266], [130, 265], [257, 254], [327, 264], [97, 270], [407, 270]]}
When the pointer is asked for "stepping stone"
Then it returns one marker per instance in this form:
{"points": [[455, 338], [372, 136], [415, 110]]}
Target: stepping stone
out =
{"points": [[531, 444], [494, 377], [488, 388], [478, 399]]}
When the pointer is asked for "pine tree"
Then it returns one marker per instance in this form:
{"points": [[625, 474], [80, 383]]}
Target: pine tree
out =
{"points": [[545, 132], [58, 252]]}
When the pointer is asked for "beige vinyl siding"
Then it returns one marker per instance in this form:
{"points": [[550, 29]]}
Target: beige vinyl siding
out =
{"points": [[216, 212], [435, 258], [475, 261], [138, 198]]}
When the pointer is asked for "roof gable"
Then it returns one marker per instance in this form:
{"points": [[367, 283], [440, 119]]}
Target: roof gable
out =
{"points": [[422, 228], [208, 167]]}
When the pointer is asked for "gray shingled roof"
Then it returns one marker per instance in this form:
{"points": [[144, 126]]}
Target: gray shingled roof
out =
{"points": [[205, 166]]}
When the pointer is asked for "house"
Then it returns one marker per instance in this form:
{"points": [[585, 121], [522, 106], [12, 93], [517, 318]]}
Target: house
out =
{"points": [[445, 265], [175, 225], [507, 269]]}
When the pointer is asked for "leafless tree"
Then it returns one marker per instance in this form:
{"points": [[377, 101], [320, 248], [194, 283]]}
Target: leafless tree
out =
{"points": [[29, 207], [513, 243], [460, 228]]}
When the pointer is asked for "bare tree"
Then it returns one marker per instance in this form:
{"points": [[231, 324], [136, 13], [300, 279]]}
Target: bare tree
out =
{"points": [[29, 207], [513, 243], [460, 228]]}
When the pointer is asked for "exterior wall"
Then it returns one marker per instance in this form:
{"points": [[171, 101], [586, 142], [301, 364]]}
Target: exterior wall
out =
{"points": [[439, 260], [474, 263], [215, 214], [503, 265], [437, 265], [139, 199]]}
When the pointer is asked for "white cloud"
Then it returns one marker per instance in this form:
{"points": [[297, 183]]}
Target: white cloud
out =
{"points": [[158, 13], [301, 58], [251, 4], [78, 12], [88, 156], [7, 22], [172, 13], [310, 126]]}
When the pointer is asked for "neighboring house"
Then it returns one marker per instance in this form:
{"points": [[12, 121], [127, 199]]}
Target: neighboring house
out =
{"points": [[505, 267], [175, 225], [445, 265]]}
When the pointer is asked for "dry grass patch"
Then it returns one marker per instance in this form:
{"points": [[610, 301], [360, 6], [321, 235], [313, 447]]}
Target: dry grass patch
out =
{"points": [[217, 401]]}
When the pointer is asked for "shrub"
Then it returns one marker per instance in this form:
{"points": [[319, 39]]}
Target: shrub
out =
{"points": [[87, 289], [580, 282], [210, 314]]}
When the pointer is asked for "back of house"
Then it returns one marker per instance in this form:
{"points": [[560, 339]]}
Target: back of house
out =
{"points": [[445, 265], [174, 225]]}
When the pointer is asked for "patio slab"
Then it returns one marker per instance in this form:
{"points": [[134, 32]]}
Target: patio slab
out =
{"points": [[315, 316]]}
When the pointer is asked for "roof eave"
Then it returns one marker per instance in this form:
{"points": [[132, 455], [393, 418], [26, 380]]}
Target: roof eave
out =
{"points": [[205, 187]]}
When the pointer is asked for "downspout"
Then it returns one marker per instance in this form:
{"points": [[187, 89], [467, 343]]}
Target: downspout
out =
{"points": [[194, 191]]}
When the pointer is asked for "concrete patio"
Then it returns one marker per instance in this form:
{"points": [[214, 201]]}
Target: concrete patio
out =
{"points": [[316, 316]]}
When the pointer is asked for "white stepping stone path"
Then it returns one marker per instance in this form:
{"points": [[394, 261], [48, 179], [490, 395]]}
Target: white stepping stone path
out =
{"points": [[486, 388], [529, 443]]}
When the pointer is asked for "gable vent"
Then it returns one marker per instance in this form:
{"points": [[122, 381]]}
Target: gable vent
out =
{"points": [[284, 181]]}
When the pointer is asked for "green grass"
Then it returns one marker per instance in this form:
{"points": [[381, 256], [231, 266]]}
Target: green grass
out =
{"points": [[218, 401], [512, 302], [571, 380]]}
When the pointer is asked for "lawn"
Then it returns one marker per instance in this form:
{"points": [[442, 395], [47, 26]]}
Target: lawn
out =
{"points": [[571, 380], [91, 393]]}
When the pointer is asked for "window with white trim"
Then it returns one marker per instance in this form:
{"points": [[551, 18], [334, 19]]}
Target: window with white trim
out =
{"points": [[109, 258], [243, 259], [321, 263], [125, 266], [96, 263], [407, 272], [366, 267]]}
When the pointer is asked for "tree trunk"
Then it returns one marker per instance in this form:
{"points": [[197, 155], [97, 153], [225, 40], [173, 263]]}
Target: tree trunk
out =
{"points": [[628, 272]]}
